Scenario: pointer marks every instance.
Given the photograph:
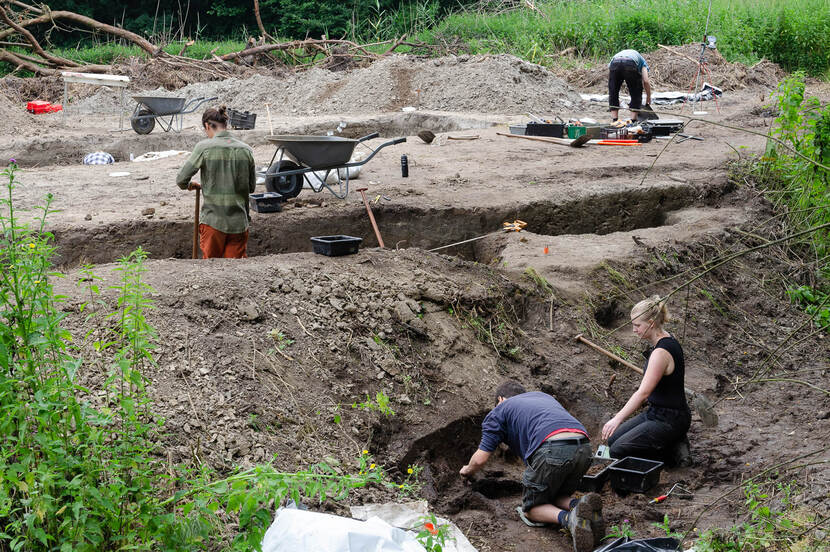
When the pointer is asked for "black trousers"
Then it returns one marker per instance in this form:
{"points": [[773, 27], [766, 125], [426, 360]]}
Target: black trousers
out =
{"points": [[624, 70], [650, 434]]}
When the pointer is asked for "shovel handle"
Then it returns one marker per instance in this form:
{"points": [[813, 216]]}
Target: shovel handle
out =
{"points": [[196, 226], [609, 354]]}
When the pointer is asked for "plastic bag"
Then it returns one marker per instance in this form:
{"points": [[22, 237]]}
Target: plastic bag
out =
{"points": [[660, 544], [295, 530]]}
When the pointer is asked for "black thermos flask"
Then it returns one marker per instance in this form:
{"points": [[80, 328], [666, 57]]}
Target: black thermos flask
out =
{"points": [[404, 166]]}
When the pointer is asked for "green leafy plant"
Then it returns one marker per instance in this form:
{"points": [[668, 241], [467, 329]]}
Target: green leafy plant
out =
{"points": [[432, 535], [666, 527], [379, 404], [622, 530], [815, 302], [282, 340]]}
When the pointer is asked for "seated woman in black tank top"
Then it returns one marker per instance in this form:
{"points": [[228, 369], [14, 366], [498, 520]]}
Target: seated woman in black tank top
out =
{"points": [[655, 432]]}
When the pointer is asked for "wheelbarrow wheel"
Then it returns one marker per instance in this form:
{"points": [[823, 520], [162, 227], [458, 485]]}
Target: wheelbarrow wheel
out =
{"points": [[143, 126], [289, 186]]}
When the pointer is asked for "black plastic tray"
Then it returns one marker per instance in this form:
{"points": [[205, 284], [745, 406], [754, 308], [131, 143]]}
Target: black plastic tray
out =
{"points": [[266, 202], [241, 120], [554, 130], [595, 483], [634, 475], [335, 246]]}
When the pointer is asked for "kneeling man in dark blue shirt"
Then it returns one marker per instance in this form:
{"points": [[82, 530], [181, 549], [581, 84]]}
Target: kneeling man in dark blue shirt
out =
{"points": [[554, 446]]}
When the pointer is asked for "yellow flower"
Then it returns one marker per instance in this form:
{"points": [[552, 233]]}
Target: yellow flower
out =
{"points": [[37, 281], [409, 471], [31, 246], [400, 486], [365, 451], [371, 466]]}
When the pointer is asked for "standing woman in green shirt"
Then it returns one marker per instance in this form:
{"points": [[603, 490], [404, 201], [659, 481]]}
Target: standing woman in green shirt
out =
{"points": [[228, 176]]}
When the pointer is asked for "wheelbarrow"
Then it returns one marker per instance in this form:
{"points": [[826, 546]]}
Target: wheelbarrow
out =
{"points": [[168, 112], [300, 159]]}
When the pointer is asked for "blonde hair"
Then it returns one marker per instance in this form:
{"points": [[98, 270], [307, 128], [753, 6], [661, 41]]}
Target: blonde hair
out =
{"points": [[652, 308]]}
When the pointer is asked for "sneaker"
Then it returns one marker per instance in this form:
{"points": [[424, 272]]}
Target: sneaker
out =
{"points": [[589, 507], [580, 530]]}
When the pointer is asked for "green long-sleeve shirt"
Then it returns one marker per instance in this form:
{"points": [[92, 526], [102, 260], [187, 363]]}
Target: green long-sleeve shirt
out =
{"points": [[228, 175]]}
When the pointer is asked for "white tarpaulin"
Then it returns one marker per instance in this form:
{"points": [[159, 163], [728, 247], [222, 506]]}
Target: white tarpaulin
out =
{"points": [[410, 515], [303, 531]]}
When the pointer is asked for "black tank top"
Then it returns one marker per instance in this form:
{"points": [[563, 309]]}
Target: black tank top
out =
{"points": [[670, 392]]}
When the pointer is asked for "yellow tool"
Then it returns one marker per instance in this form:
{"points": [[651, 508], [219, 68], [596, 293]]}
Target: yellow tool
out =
{"points": [[515, 226]]}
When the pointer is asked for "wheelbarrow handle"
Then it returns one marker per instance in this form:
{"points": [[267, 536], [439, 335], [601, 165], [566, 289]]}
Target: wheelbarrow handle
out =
{"points": [[368, 137], [398, 141]]}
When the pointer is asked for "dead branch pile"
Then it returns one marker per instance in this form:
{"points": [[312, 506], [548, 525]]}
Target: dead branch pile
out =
{"points": [[17, 18]]}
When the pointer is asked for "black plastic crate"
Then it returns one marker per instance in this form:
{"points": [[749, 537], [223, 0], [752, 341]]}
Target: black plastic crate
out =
{"points": [[664, 127], [594, 483], [554, 130], [241, 120], [266, 202], [634, 475], [335, 246], [614, 133]]}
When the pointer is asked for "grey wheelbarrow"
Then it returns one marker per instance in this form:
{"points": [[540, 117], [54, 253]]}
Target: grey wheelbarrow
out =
{"points": [[312, 159], [167, 111]]}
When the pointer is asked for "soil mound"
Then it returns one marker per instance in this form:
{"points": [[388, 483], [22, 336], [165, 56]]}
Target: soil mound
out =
{"points": [[492, 84], [12, 115], [675, 69]]}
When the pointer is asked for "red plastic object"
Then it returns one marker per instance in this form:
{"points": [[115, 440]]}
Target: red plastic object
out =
{"points": [[54, 108], [37, 106]]}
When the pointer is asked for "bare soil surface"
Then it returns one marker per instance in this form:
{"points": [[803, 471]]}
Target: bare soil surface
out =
{"points": [[266, 356]]}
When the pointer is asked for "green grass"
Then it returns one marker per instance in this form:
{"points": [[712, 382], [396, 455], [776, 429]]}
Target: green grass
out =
{"points": [[794, 33]]}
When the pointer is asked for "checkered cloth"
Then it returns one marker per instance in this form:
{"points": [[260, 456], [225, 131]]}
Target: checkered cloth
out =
{"points": [[98, 158]]}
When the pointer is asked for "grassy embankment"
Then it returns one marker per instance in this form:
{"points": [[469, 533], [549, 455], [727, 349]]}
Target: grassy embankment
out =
{"points": [[794, 33]]}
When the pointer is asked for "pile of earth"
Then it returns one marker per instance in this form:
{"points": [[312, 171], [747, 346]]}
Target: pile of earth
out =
{"points": [[481, 83], [675, 69], [12, 114]]}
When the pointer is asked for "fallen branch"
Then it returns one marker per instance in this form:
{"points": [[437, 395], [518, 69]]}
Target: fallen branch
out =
{"points": [[52, 16], [55, 60]]}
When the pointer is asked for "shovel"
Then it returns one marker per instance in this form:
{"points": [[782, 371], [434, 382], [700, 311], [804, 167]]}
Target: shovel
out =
{"points": [[575, 143], [700, 402]]}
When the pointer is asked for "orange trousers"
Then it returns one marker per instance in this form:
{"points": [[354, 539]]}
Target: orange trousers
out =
{"points": [[216, 244]]}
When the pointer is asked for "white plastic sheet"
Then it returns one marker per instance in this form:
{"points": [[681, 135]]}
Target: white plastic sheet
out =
{"points": [[300, 530]]}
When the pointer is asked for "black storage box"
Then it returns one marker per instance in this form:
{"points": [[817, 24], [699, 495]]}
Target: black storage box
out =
{"points": [[634, 475], [594, 483], [335, 246], [662, 127], [266, 202], [241, 120], [554, 130]]}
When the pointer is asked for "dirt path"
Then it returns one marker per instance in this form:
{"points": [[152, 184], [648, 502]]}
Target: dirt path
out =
{"points": [[438, 331]]}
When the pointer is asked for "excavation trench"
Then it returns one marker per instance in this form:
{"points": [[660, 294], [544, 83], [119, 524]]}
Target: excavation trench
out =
{"points": [[61, 150], [401, 226], [442, 452]]}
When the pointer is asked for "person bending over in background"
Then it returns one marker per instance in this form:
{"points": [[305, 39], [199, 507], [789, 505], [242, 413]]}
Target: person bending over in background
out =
{"points": [[631, 67], [228, 176], [658, 432], [554, 446]]}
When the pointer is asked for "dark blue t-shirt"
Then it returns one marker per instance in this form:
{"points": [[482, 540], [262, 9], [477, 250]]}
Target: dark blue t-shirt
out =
{"points": [[523, 422]]}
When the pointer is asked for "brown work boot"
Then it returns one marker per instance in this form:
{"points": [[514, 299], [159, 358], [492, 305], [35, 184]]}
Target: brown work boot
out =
{"points": [[580, 530], [589, 507]]}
